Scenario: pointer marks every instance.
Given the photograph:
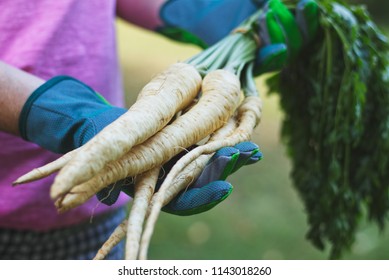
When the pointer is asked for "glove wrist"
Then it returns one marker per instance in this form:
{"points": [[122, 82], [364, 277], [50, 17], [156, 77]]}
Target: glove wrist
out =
{"points": [[63, 114], [30, 101]]}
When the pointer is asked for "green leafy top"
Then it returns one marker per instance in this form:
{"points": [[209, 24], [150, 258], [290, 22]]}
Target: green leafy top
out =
{"points": [[335, 96]]}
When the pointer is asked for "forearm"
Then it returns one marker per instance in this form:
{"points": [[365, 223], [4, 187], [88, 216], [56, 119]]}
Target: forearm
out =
{"points": [[15, 88], [142, 13]]}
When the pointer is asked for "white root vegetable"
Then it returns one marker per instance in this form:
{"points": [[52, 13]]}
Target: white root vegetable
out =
{"points": [[193, 170], [118, 234], [46, 170], [54, 166], [249, 114], [220, 97], [187, 176], [133, 226], [167, 93], [144, 190]]}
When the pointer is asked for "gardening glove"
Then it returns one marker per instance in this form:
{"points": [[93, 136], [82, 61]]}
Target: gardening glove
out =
{"points": [[210, 188], [207, 191], [283, 34], [204, 22], [63, 114]]}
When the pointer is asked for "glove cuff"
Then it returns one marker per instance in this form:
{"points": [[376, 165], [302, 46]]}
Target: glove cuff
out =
{"points": [[31, 100], [63, 114]]}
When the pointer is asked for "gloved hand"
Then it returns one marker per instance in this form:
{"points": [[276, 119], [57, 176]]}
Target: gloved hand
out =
{"points": [[205, 22], [283, 34], [64, 113], [207, 191], [211, 188]]}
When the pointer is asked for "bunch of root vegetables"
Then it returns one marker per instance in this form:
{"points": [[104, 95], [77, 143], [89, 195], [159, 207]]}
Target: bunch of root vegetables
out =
{"points": [[335, 96], [209, 98]]}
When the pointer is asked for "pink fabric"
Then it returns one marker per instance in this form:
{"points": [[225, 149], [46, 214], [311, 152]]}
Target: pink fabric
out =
{"points": [[141, 13], [49, 38]]}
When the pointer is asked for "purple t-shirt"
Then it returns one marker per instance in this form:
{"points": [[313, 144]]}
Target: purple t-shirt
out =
{"points": [[49, 38]]}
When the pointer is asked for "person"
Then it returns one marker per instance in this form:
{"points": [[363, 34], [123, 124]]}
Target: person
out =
{"points": [[56, 58]]}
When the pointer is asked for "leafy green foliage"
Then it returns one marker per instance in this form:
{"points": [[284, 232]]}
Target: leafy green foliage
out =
{"points": [[378, 8], [335, 96]]}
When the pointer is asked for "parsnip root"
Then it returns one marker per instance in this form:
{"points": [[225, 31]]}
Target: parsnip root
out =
{"points": [[46, 170], [220, 97], [249, 114], [167, 93], [145, 181], [144, 190], [118, 234]]}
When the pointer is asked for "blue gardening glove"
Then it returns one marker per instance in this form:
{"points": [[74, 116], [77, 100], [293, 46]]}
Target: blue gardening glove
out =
{"points": [[207, 191], [63, 114], [204, 22], [211, 188], [283, 34]]}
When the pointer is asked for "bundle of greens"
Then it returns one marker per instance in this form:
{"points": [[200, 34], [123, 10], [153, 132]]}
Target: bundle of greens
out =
{"points": [[335, 96]]}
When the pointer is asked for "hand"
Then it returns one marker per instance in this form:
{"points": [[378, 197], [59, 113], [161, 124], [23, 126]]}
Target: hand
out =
{"points": [[63, 114], [70, 113], [204, 22], [207, 191], [283, 35], [211, 188]]}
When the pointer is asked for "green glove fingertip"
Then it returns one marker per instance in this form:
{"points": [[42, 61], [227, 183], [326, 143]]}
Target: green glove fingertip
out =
{"points": [[289, 25], [274, 31], [271, 58], [307, 15], [230, 166]]}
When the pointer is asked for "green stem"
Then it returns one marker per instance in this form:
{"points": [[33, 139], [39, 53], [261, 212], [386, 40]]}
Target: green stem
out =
{"points": [[248, 83], [244, 52], [233, 52], [208, 55]]}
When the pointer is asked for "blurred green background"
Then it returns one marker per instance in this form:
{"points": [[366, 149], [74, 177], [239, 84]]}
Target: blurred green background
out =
{"points": [[263, 218]]}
